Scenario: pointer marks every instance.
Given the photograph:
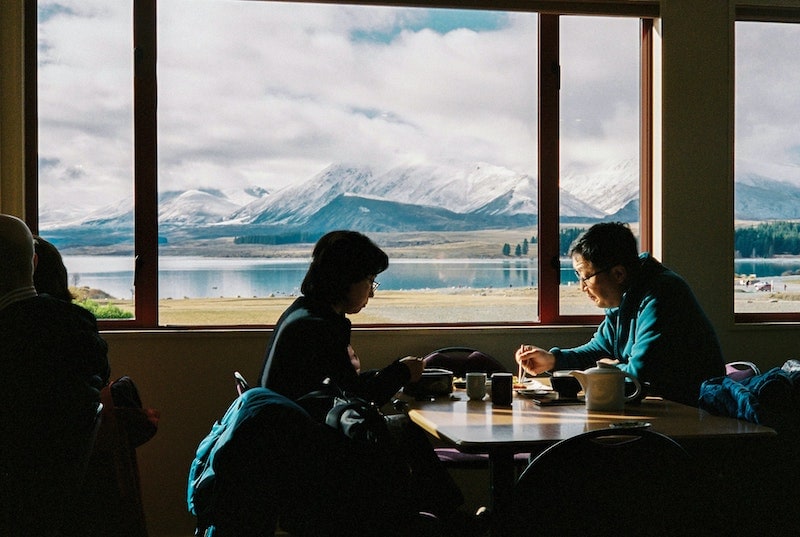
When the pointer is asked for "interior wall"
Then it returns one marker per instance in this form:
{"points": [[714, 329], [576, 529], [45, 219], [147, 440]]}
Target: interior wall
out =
{"points": [[188, 375]]}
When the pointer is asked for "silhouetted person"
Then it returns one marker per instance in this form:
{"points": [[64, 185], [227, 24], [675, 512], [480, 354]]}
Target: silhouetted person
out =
{"points": [[50, 276], [53, 363], [654, 327]]}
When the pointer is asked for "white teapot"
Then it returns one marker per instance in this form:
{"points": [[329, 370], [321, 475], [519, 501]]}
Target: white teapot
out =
{"points": [[604, 387]]}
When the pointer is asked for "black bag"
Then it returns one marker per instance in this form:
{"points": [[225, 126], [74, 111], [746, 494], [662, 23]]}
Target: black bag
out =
{"points": [[358, 419], [355, 417]]}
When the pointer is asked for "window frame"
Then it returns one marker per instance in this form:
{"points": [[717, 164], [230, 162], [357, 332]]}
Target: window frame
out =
{"points": [[145, 150]]}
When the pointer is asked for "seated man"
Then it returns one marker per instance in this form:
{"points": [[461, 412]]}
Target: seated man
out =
{"points": [[654, 327], [53, 363]]}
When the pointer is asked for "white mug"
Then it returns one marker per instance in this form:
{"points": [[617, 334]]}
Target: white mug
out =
{"points": [[476, 386]]}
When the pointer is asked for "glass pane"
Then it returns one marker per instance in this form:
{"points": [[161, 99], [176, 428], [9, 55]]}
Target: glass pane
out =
{"points": [[767, 169], [600, 120], [414, 126], [85, 109]]}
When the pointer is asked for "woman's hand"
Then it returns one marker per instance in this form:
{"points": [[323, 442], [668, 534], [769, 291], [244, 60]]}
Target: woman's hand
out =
{"points": [[534, 360], [354, 359], [415, 366]]}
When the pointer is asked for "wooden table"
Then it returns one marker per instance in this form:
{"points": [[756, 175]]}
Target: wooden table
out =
{"points": [[480, 427]]}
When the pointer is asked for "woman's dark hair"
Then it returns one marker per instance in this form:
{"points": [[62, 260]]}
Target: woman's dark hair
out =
{"points": [[50, 276], [340, 259], [606, 245]]}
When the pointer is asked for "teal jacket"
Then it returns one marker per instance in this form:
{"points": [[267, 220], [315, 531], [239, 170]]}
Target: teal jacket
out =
{"points": [[659, 333]]}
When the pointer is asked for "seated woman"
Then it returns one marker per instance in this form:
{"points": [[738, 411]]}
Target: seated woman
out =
{"points": [[311, 341], [311, 345]]}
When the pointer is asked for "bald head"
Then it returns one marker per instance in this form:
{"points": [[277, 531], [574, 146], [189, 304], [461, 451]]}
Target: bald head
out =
{"points": [[16, 254]]}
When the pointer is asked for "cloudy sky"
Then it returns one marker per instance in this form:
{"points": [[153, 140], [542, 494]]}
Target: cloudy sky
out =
{"points": [[269, 94]]}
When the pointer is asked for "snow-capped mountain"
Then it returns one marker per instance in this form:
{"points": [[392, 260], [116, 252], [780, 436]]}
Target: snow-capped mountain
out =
{"points": [[480, 189], [422, 198], [607, 190]]}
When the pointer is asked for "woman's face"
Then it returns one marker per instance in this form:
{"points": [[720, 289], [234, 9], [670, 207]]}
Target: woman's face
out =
{"points": [[358, 295], [603, 285]]}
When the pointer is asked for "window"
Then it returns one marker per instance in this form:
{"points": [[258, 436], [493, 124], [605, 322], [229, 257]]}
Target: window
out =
{"points": [[767, 171], [282, 121], [599, 135], [85, 105]]}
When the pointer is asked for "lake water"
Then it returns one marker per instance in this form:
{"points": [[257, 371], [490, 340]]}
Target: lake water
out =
{"points": [[203, 277]]}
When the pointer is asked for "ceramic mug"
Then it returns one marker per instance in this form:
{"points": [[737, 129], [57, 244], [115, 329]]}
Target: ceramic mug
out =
{"points": [[476, 386]]}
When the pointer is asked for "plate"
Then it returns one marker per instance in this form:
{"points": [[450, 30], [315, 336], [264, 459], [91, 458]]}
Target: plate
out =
{"points": [[536, 393]]}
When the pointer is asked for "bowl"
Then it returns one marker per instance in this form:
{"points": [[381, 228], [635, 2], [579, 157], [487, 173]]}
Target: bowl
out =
{"points": [[434, 382]]}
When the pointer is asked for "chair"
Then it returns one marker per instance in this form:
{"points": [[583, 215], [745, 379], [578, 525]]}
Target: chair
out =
{"points": [[740, 371], [461, 360], [241, 384], [267, 463], [607, 482]]}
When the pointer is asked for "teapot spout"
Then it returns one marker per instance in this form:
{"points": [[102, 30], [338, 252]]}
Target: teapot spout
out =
{"points": [[581, 376]]}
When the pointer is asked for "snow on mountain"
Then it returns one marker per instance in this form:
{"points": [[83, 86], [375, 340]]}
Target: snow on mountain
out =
{"points": [[296, 203], [475, 188], [195, 207], [446, 196], [607, 190], [762, 198]]}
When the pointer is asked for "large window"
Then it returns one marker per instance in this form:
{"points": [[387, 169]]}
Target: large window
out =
{"points": [[767, 170], [276, 122]]}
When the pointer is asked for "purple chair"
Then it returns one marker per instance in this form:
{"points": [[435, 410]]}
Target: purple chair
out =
{"points": [[461, 360], [740, 371]]}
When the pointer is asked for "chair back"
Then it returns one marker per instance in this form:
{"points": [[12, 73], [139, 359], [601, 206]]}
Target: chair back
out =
{"points": [[241, 384], [461, 360], [740, 371], [606, 482]]}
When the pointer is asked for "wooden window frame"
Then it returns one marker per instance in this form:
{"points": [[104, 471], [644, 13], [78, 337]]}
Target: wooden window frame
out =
{"points": [[146, 145]]}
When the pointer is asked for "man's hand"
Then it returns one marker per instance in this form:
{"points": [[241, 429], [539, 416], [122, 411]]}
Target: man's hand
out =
{"points": [[534, 360]]}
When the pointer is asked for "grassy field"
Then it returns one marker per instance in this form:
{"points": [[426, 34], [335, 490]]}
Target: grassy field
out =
{"points": [[434, 306]]}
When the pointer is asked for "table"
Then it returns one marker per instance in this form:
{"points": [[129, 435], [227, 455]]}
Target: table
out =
{"points": [[500, 432]]}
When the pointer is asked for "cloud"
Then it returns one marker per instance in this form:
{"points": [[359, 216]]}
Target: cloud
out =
{"points": [[270, 93]]}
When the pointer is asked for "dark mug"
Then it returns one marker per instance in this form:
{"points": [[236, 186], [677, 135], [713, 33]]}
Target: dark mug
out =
{"points": [[502, 388], [565, 385]]}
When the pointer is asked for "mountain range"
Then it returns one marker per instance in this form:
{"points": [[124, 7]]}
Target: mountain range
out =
{"points": [[408, 198]]}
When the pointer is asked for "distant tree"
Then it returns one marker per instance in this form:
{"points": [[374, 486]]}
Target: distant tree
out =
{"points": [[566, 237], [506, 249], [518, 250], [525, 247]]}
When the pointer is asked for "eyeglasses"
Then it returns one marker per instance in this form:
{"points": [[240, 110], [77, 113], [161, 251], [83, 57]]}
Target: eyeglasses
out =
{"points": [[584, 279], [374, 285]]}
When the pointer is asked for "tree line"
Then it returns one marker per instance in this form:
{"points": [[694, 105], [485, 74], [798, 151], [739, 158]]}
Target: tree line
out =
{"points": [[768, 239], [565, 239]]}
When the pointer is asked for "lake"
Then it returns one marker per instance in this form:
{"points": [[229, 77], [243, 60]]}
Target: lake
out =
{"points": [[209, 277]]}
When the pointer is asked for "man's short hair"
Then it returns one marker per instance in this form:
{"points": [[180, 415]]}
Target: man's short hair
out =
{"points": [[607, 244]]}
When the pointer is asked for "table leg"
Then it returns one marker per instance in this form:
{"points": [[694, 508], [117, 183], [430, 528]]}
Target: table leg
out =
{"points": [[502, 476]]}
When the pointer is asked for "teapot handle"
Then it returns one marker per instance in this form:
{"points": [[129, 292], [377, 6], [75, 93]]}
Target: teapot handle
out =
{"points": [[636, 392]]}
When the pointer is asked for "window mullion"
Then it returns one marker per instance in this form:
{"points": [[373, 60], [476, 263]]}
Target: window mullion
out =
{"points": [[145, 163], [548, 163]]}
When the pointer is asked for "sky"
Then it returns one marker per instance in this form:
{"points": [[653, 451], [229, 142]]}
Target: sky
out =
{"points": [[269, 94]]}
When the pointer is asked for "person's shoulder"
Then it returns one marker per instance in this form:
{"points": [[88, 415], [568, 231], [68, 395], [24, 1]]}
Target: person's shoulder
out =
{"points": [[61, 310]]}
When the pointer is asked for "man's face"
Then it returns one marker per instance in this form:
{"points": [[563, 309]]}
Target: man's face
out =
{"points": [[603, 285]]}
